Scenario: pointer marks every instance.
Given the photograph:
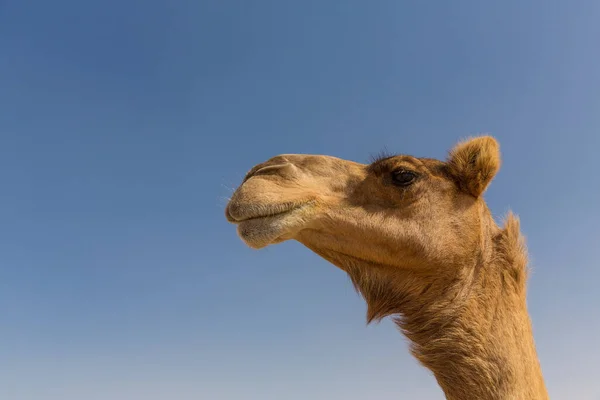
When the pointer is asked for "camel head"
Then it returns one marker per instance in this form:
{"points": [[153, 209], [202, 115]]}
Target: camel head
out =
{"points": [[419, 243], [399, 221]]}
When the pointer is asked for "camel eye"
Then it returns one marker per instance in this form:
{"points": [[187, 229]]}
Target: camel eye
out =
{"points": [[403, 177]]}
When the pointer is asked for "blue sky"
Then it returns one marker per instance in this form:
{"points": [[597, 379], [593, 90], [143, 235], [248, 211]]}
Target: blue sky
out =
{"points": [[125, 124]]}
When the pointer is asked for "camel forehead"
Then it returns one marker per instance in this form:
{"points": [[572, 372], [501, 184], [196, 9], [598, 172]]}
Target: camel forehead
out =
{"points": [[326, 160], [311, 158], [317, 162]]}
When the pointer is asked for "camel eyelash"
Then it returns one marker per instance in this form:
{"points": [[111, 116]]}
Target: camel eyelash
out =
{"points": [[381, 156]]}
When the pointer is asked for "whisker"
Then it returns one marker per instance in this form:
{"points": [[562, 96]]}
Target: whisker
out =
{"points": [[231, 189]]}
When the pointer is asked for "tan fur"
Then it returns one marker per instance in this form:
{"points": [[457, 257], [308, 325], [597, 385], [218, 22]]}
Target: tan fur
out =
{"points": [[428, 254], [474, 163]]}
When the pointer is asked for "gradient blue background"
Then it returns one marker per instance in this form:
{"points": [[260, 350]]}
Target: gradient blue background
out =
{"points": [[124, 126]]}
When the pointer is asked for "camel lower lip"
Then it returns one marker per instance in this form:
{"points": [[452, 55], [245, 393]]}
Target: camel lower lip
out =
{"points": [[265, 229]]}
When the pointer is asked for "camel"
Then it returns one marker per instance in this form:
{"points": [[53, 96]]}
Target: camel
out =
{"points": [[420, 245]]}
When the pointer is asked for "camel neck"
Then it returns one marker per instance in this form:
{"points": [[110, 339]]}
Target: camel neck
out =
{"points": [[484, 348]]}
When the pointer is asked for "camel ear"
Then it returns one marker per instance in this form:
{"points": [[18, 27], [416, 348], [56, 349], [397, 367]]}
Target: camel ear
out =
{"points": [[474, 163]]}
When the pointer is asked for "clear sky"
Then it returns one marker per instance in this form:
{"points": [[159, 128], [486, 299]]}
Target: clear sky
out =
{"points": [[125, 124]]}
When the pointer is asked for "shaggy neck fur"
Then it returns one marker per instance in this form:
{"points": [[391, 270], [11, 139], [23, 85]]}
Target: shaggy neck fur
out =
{"points": [[472, 329]]}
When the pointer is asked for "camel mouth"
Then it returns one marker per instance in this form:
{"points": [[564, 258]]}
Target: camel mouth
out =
{"points": [[237, 213], [260, 225]]}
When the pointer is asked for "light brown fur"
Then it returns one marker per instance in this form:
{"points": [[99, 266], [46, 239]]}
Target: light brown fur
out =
{"points": [[427, 253]]}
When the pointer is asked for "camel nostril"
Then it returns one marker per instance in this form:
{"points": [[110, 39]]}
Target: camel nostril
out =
{"points": [[276, 165], [270, 169]]}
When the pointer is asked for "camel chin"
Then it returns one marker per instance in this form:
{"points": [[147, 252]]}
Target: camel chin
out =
{"points": [[260, 232]]}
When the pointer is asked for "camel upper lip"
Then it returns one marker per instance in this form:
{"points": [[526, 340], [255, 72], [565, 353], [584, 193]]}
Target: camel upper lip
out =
{"points": [[237, 213]]}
